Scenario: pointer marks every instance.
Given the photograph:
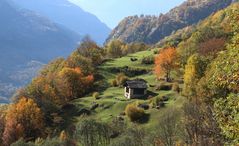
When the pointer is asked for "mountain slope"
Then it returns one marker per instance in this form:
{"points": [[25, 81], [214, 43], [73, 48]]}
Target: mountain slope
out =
{"points": [[33, 36], [26, 36], [151, 29], [69, 15]]}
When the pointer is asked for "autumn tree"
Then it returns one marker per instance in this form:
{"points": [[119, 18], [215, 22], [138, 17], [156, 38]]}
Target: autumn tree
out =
{"points": [[24, 119], [74, 83], [212, 46], [165, 62], [127, 49], [133, 47], [3, 109], [222, 87], [86, 44], [200, 125], [2, 123], [203, 41], [227, 114], [53, 67], [77, 60], [114, 48], [139, 47], [194, 71], [89, 49], [45, 89], [219, 87]]}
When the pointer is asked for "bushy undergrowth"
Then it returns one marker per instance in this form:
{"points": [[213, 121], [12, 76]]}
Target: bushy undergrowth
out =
{"points": [[148, 60], [119, 80], [134, 113], [129, 71], [164, 86]]}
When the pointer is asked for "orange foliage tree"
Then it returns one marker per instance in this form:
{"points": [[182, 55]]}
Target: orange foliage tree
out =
{"points": [[74, 82], [165, 62], [2, 123], [24, 119], [45, 88], [212, 46]]}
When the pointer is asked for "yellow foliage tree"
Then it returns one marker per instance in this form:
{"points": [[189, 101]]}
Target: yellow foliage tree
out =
{"points": [[194, 70]]}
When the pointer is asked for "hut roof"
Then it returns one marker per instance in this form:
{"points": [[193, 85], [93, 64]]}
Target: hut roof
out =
{"points": [[136, 84]]}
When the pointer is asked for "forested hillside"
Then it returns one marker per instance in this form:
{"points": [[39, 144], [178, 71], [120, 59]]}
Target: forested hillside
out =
{"points": [[151, 29], [208, 53], [192, 92], [27, 38]]}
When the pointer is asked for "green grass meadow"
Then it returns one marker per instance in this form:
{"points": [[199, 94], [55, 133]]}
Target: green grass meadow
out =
{"points": [[112, 101]]}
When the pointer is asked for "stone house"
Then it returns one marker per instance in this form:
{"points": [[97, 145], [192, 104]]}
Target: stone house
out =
{"points": [[135, 89]]}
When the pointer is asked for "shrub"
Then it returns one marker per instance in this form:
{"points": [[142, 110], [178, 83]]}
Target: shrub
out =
{"points": [[96, 95], [156, 51], [133, 59], [53, 142], [130, 71], [148, 60], [144, 106], [21, 142], [134, 113], [41, 142], [164, 98], [154, 102], [92, 133], [114, 83], [133, 136], [168, 127], [160, 105], [175, 87], [164, 86], [133, 47], [121, 79], [158, 101]]}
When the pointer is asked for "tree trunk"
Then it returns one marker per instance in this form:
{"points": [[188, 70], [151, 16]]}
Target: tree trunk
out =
{"points": [[167, 77]]}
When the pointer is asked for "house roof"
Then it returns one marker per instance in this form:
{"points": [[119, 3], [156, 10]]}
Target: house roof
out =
{"points": [[136, 84]]}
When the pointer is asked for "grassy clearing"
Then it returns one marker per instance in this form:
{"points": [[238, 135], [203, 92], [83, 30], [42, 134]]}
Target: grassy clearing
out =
{"points": [[112, 101], [125, 61]]}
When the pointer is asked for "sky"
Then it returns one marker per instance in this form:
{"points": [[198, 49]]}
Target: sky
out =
{"points": [[111, 12]]}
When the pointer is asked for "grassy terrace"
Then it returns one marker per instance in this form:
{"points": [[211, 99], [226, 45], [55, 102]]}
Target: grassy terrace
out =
{"points": [[112, 101]]}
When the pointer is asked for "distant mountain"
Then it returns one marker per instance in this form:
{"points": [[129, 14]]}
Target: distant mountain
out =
{"points": [[151, 29], [26, 36], [69, 15]]}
